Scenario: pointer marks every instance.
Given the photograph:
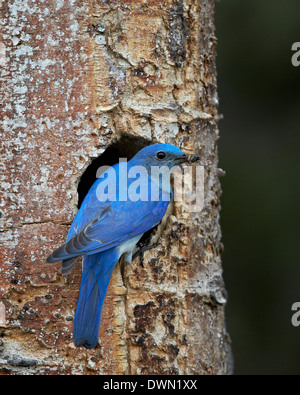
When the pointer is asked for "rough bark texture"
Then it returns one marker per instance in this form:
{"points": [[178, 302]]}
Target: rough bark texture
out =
{"points": [[75, 77]]}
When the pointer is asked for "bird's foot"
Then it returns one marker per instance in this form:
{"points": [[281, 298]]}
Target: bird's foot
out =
{"points": [[140, 252]]}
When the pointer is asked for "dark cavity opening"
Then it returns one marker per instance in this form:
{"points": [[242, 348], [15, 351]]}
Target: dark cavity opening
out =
{"points": [[125, 147]]}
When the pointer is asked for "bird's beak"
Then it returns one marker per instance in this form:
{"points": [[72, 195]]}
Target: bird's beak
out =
{"points": [[187, 158]]}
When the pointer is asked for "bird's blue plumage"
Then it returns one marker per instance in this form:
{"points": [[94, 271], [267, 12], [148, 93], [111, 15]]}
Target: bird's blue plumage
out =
{"points": [[96, 273], [102, 231]]}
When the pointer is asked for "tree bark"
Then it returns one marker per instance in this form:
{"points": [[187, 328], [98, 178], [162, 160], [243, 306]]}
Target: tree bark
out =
{"points": [[77, 76]]}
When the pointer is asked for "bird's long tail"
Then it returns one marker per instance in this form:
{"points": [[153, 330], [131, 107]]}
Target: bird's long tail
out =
{"points": [[96, 273]]}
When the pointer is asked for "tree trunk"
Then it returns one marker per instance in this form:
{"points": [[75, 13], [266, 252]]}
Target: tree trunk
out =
{"points": [[78, 76]]}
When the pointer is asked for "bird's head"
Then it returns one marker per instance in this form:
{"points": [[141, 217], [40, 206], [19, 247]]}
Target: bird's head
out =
{"points": [[163, 155]]}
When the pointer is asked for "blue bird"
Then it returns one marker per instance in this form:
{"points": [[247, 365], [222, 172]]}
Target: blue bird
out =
{"points": [[103, 230]]}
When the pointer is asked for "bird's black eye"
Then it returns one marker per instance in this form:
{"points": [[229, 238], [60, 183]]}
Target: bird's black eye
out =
{"points": [[161, 155]]}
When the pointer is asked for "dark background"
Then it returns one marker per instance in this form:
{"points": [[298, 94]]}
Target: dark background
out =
{"points": [[259, 91]]}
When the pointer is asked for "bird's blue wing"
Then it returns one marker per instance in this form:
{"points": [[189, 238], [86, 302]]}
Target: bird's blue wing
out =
{"points": [[114, 225]]}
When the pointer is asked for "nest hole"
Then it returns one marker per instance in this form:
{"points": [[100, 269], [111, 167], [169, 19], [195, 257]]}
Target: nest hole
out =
{"points": [[125, 147]]}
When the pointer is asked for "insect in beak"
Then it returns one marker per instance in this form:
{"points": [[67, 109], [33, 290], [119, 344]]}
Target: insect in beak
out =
{"points": [[189, 158]]}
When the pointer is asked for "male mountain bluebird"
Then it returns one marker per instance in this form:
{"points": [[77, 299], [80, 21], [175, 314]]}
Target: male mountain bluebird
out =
{"points": [[104, 230]]}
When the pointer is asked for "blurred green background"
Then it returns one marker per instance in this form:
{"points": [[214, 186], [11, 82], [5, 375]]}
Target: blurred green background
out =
{"points": [[259, 91]]}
